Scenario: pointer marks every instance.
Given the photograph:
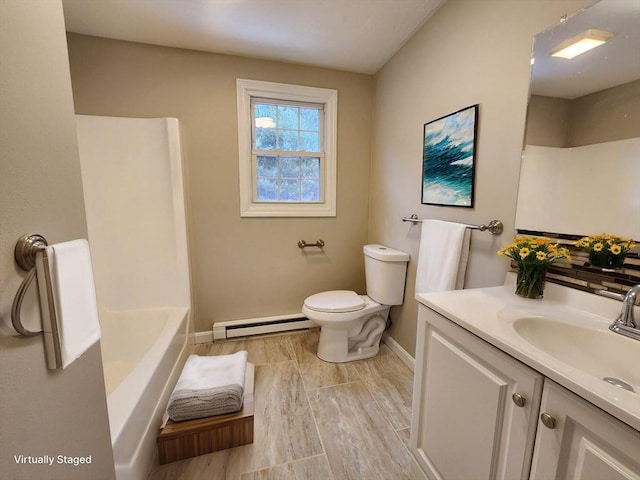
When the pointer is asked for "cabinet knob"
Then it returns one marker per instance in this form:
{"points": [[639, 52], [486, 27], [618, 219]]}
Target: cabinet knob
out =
{"points": [[519, 400], [548, 420]]}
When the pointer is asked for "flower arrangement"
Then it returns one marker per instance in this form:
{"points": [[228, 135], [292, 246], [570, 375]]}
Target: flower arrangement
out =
{"points": [[605, 250], [534, 250], [533, 256]]}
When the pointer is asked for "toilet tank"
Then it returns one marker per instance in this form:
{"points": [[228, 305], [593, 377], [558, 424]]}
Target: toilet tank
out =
{"points": [[385, 273]]}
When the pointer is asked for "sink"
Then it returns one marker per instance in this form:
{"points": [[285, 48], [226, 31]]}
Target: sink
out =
{"points": [[585, 344]]}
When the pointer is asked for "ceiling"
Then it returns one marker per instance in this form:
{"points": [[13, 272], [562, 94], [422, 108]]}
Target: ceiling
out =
{"points": [[352, 35], [614, 63]]}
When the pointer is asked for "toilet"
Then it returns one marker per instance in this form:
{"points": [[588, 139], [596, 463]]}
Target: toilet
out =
{"points": [[352, 324]]}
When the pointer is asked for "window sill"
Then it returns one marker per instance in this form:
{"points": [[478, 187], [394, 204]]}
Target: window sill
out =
{"points": [[288, 210]]}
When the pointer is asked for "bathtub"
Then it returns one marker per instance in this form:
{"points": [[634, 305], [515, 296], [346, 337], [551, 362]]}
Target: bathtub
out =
{"points": [[140, 259], [143, 352]]}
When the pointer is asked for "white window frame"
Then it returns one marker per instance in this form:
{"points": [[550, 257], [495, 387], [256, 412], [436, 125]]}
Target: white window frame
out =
{"points": [[246, 89]]}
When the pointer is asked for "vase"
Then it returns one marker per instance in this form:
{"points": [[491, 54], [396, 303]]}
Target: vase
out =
{"points": [[606, 260], [530, 281]]}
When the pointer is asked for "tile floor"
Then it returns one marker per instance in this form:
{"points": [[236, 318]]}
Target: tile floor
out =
{"points": [[313, 420]]}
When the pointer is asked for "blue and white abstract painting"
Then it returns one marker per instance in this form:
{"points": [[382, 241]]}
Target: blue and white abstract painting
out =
{"points": [[449, 159]]}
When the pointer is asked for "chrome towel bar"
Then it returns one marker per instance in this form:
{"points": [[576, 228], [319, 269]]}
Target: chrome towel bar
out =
{"points": [[303, 244], [495, 227]]}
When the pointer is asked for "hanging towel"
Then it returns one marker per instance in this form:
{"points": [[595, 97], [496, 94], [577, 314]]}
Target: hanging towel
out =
{"points": [[442, 257], [74, 298], [209, 386]]}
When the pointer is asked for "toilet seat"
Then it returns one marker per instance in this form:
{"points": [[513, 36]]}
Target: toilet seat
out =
{"points": [[335, 301]]}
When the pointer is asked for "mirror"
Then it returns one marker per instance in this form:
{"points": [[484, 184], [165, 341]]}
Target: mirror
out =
{"points": [[581, 163]]}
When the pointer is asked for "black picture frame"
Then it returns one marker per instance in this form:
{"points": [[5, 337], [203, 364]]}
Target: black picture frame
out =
{"points": [[449, 159]]}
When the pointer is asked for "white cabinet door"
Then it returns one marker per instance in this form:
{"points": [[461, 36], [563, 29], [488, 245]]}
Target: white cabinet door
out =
{"points": [[585, 443], [465, 423]]}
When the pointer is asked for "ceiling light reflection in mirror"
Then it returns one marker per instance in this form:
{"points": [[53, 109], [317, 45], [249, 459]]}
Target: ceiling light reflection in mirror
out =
{"points": [[587, 40]]}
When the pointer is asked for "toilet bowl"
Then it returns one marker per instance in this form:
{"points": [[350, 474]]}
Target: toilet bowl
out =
{"points": [[351, 324]]}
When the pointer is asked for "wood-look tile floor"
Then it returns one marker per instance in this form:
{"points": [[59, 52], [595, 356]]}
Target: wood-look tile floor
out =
{"points": [[313, 420]]}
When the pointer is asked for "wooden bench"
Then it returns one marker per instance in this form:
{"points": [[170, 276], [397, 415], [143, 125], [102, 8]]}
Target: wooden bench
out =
{"points": [[181, 440]]}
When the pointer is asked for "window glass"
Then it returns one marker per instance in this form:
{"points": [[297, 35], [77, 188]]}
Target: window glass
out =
{"points": [[287, 149], [287, 128]]}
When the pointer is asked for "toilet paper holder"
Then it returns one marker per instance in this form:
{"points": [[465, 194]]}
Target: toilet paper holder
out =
{"points": [[302, 244]]}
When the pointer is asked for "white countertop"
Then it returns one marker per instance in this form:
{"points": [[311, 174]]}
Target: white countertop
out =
{"points": [[485, 312]]}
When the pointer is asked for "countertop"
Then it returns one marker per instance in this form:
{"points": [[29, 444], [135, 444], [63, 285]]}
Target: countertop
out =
{"points": [[485, 312]]}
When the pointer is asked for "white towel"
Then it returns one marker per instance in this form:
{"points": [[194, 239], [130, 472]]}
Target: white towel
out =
{"points": [[442, 257], [74, 297], [208, 386]]}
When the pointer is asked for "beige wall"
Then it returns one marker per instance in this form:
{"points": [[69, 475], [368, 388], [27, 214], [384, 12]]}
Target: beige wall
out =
{"points": [[469, 52], [241, 267], [43, 412], [548, 121], [604, 116]]}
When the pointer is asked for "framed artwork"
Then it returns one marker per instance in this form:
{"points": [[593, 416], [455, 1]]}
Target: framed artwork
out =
{"points": [[448, 159]]}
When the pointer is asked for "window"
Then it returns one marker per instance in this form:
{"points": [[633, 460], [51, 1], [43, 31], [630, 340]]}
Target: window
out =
{"points": [[287, 151], [287, 159]]}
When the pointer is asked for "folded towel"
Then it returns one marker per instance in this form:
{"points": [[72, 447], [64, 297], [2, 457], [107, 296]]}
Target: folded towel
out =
{"points": [[442, 257], [74, 298], [209, 386]]}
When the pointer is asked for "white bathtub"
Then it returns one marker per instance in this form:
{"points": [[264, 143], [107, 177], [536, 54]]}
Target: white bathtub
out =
{"points": [[138, 240], [143, 352]]}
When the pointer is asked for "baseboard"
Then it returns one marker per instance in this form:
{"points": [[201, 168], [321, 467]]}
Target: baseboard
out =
{"points": [[395, 347], [204, 337]]}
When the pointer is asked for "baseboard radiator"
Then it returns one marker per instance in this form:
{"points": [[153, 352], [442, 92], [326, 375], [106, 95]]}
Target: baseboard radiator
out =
{"points": [[260, 326]]}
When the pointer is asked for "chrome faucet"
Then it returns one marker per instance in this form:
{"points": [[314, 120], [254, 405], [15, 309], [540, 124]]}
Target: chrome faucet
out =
{"points": [[626, 324]]}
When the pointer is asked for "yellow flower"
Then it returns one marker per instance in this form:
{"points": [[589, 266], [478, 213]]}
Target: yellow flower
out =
{"points": [[536, 250], [606, 242]]}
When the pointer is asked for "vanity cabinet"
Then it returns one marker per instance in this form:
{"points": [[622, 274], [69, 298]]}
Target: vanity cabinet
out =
{"points": [[475, 408], [578, 441], [479, 413]]}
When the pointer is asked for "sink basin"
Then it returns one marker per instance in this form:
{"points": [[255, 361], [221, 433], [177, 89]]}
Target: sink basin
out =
{"points": [[585, 345]]}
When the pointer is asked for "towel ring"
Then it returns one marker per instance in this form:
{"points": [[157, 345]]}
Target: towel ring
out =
{"points": [[24, 253], [16, 306]]}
